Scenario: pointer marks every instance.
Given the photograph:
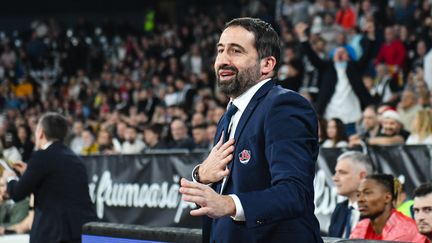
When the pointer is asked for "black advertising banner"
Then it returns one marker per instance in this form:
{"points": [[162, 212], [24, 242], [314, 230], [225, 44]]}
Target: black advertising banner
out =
{"points": [[143, 189]]}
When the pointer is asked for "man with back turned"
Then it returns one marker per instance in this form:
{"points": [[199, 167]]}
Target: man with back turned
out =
{"points": [[256, 185], [58, 179]]}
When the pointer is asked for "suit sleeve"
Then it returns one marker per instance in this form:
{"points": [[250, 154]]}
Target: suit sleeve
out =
{"points": [[31, 178], [291, 149]]}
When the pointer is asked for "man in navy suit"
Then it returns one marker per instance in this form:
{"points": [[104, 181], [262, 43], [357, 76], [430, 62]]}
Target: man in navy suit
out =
{"points": [[257, 186], [58, 179], [351, 168]]}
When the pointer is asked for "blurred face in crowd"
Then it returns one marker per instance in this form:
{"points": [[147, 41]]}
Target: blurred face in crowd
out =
{"points": [[197, 119], [421, 48], [408, 99], [130, 134], [199, 135], [78, 128], [237, 65], [381, 70], [104, 138], [347, 177], [331, 129], [423, 214], [178, 130], [341, 55], [22, 133], [150, 138], [370, 119], [390, 126], [373, 199], [389, 34], [88, 138], [121, 129], [211, 131]]}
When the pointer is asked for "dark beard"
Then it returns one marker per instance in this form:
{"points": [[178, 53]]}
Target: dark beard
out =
{"points": [[241, 82]]}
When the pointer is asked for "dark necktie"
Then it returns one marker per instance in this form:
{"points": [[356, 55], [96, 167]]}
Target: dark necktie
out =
{"points": [[348, 222], [226, 119]]}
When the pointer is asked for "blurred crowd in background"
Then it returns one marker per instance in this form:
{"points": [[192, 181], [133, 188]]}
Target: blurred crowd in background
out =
{"points": [[127, 90]]}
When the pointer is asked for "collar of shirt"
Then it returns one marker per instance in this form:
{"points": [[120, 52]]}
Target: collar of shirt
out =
{"points": [[243, 100], [47, 145], [353, 204]]}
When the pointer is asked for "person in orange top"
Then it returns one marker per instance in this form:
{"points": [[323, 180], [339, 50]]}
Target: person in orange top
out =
{"points": [[380, 221]]}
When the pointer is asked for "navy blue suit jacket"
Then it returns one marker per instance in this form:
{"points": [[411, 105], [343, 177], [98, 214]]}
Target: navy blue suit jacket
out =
{"points": [[58, 179], [278, 129], [338, 220]]}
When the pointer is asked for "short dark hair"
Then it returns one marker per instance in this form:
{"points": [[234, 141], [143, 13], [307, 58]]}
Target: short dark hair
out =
{"points": [[423, 190], [55, 126], [389, 182], [267, 41]]}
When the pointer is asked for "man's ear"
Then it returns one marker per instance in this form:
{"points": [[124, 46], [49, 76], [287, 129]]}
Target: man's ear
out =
{"points": [[267, 65], [388, 198]]}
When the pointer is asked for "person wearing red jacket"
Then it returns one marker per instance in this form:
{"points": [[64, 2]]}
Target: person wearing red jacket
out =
{"points": [[392, 52], [346, 16]]}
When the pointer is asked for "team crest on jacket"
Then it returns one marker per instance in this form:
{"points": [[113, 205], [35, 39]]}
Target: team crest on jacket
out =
{"points": [[244, 156]]}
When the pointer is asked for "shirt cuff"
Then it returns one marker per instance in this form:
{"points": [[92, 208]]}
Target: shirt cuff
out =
{"points": [[12, 178], [239, 216]]}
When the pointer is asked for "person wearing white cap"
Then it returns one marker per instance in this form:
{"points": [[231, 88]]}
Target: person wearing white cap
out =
{"points": [[392, 131]]}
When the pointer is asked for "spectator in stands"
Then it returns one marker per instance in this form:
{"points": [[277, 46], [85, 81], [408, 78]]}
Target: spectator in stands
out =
{"points": [[132, 144], [403, 202], [392, 131], [336, 134], [423, 210], [329, 31], [197, 119], [370, 126], [342, 93], [11, 213], [10, 151], [153, 136], [76, 142], [90, 147], [24, 144], [385, 88], [211, 131], [105, 144], [351, 168], [392, 52], [408, 108], [119, 137], [200, 138], [376, 196], [179, 133], [422, 128], [346, 16]]}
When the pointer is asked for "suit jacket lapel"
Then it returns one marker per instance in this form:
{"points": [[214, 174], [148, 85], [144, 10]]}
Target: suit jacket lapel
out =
{"points": [[245, 117]]}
